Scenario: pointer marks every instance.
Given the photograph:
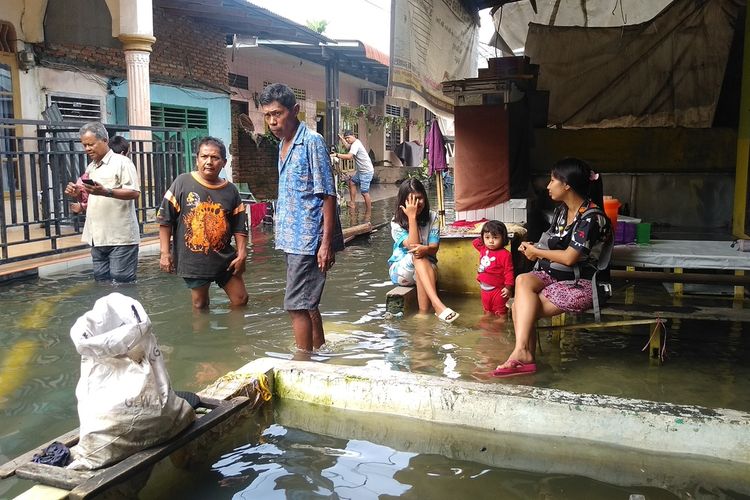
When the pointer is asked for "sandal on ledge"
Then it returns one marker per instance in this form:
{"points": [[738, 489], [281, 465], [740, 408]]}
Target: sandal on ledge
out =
{"points": [[448, 315]]}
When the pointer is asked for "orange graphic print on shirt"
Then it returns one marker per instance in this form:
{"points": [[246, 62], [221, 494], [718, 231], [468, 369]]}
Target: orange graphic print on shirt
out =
{"points": [[206, 227]]}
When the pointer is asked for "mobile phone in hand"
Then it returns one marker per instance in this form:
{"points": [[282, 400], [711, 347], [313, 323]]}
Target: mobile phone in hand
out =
{"points": [[89, 182]]}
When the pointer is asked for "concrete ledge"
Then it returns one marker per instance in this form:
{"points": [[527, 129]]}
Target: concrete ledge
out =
{"points": [[43, 267], [626, 467], [19, 275], [642, 425], [400, 298]]}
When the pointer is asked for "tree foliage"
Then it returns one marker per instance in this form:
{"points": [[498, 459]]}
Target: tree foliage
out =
{"points": [[318, 26]]}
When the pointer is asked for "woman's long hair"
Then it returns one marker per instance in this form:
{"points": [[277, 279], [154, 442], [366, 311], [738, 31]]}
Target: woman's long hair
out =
{"points": [[407, 187], [578, 175]]}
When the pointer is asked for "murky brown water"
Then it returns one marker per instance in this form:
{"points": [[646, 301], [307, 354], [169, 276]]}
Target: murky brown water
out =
{"points": [[708, 361]]}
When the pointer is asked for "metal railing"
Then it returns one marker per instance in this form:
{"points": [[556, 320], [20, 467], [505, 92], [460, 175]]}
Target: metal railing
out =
{"points": [[38, 159]]}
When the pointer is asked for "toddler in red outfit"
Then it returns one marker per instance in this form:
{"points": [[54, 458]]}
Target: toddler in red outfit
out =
{"points": [[495, 272]]}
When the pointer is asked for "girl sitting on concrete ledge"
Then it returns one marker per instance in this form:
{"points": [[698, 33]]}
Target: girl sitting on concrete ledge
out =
{"points": [[416, 239]]}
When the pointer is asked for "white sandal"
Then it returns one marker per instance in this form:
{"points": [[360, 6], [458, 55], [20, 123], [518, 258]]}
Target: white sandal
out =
{"points": [[448, 315]]}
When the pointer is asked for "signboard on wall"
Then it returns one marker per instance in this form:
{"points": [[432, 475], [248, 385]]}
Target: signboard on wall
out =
{"points": [[431, 41]]}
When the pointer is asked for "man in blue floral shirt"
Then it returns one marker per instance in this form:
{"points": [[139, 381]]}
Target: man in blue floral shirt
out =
{"points": [[307, 224]]}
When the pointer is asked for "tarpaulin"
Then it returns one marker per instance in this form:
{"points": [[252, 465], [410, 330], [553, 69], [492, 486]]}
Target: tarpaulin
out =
{"points": [[432, 41], [666, 72], [482, 178], [512, 19]]}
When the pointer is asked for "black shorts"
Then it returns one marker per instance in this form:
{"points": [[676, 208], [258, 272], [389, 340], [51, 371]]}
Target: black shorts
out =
{"points": [[221, 280], [304, 282]]}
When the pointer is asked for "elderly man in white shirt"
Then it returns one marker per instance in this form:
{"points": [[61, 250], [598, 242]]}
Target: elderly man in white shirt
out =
{"points": [[111, 223]]}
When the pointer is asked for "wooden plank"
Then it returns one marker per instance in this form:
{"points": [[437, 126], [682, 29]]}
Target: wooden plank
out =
{"points": [[9, 468], [679, 312], [59, 477], [671, 312], [352, 232], [738, 279], [40, 491], [139, 461], [601, 324], [210, 403]]}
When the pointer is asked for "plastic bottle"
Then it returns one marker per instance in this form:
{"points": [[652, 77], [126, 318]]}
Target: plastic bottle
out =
{"points": [[611, 207]]}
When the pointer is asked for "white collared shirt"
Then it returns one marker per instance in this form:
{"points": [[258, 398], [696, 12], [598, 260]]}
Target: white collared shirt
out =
{"points": [[110, 221]]}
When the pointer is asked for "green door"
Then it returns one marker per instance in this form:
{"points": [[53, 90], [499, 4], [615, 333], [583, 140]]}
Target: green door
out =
{"points": [[193, 121]]}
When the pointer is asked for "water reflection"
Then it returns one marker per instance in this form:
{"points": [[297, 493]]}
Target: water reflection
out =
{"points": [[708, 362], [292, 463], [310, 452]]}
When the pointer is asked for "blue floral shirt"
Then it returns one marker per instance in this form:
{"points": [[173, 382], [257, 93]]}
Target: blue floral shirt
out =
{"points": [[305, 177]]}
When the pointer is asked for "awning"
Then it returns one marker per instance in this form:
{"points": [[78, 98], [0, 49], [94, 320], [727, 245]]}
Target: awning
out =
{"points": [[242, 17], [354, 57]]}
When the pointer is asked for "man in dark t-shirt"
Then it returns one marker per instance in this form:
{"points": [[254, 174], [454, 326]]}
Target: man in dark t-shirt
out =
{"points": [[202, 212]]}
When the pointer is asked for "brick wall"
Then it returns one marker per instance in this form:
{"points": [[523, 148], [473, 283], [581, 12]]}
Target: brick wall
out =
{"points": [[185, 53], [255, 164], [189, 51], [234, 152]]}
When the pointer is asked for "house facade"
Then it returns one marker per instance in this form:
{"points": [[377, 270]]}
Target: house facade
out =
{"points": [[75, 63], [380, 122]]}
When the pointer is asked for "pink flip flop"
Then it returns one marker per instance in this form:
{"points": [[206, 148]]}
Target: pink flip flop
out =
{"points": [[515, 368]]}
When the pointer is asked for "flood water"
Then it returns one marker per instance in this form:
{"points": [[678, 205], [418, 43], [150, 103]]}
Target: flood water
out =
{"points": [[708, 362], [302, 451]]}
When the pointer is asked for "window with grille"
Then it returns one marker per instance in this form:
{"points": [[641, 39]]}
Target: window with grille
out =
{"points": [[238, 81], [392, 133], [77, 108], [179, 117], [6, 93], [7, 37], [299, 94], [392, 110], [8, 145]]}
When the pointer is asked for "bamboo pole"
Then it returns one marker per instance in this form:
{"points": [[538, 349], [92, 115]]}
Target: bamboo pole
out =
{"points": [[440, 199]]}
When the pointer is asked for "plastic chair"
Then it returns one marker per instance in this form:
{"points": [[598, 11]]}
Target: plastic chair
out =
{"points": [[245, 194]]}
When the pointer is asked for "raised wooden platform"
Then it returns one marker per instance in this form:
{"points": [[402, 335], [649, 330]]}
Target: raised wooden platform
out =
{"points": [[680, 255]]}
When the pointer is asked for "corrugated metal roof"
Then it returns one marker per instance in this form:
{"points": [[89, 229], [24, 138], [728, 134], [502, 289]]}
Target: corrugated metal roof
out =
{"points": [[242, 17], [354, 57]]}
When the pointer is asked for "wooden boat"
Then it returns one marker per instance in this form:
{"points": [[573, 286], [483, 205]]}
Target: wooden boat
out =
{"points": [[85, 484]]}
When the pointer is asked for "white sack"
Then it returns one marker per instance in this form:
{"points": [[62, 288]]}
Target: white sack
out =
{"points": [[125, 401]]}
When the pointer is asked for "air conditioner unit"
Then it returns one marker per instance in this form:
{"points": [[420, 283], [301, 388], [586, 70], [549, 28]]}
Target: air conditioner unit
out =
{"points": [[367, 97]]}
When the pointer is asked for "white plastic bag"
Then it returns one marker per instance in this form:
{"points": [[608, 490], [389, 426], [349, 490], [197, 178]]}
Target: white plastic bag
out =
{"points": [[125, 402]]}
